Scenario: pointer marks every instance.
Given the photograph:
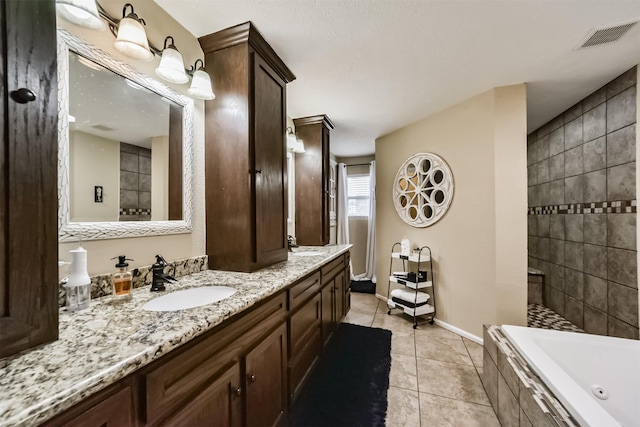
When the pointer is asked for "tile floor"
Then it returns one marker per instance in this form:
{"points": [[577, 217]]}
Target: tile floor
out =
{"points": [[434, 379]]}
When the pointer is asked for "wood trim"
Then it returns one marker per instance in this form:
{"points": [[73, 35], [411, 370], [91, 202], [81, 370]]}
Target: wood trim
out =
{"points": [[246, 33], [314, 120], [175, 163], [4, 177], [31, 204]]}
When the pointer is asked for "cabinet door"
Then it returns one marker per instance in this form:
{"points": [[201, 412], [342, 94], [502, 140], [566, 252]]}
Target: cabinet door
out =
{"points": [[219, 404], [328, 312], [269, 164], [338, 287], [326, 225], [114, 411], [266, 389], [28, 169]]}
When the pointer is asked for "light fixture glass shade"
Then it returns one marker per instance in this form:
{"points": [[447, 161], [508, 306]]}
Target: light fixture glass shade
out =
{"points": [[201, 86], [291, 139], [81, 12], [298, 147], [132, 39], [171, 66]]}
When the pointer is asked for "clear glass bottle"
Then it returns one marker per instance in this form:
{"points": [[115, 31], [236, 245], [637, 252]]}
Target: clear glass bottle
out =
{"points": [[122, 280]]}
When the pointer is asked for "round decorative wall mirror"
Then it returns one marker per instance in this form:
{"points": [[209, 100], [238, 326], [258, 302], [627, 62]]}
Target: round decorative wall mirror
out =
{"points": [[423, 189]]}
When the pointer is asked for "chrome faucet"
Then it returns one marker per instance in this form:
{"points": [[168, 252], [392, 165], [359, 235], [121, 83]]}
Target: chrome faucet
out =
{"points": [[159, 276]]}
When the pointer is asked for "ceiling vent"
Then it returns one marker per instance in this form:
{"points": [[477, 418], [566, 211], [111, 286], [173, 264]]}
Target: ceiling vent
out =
{"points": [[604, 35], [102, 127]]}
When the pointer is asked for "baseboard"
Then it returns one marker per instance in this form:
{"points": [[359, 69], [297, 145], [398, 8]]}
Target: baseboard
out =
{"points": [[447, 326], [459, 331]]}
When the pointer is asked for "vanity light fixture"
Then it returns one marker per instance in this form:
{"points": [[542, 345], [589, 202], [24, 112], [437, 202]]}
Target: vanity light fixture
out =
{"points": [[201, 83], [171, 66], [132, 41], [132, 38], [294, 143], [81, 12]]}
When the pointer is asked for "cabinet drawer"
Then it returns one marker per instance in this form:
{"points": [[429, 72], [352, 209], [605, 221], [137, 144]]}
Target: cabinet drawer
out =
{"points": [[330, 269], [177, 376], [303, 290], [115, 410], [301, 365], [303, 324]]}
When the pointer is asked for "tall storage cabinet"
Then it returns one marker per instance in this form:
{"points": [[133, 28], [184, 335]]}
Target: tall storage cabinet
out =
{"points": [[313, 225], [28, 181], [245, 164]]}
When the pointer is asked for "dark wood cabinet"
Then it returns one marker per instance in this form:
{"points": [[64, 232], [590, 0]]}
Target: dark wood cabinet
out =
{"points": [[220, 404], [245, 372], [245, 151], [28, 175], [313, 227], [111, 407], [266, 380]]}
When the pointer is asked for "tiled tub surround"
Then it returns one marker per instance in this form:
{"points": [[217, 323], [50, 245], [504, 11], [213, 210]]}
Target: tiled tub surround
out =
{"points": [[582, 210], [518, 396], [142, 276], [109, 341]]}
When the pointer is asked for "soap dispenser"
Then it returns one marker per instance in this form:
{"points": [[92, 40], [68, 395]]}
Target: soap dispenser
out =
{"points": [[122, 280], [78, 287]]}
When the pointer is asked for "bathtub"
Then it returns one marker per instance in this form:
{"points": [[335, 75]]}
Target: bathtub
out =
{"points": [[596, 378]]}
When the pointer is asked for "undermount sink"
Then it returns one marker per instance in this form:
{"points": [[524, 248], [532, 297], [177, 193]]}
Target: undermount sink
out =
{"points": [[189, 298], [306, 253]]}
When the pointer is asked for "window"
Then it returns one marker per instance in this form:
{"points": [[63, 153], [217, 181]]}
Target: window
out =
{"points": [[358, 192]]}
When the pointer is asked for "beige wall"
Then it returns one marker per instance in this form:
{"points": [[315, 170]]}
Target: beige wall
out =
{"points": [[638, 181], [93, 161], [480, 245], [172, 247]]}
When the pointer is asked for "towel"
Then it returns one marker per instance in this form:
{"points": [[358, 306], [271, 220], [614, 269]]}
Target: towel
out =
{"points": [[410, 295]]}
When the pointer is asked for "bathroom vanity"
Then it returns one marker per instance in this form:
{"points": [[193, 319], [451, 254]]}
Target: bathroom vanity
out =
{"points": [[240, 361]]}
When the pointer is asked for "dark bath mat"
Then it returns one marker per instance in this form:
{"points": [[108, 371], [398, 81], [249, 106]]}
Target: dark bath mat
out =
{"points": [[363, 286], [349, 385]]}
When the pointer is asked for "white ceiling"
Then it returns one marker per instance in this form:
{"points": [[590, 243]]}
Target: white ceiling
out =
{"points": [[374, 66]]}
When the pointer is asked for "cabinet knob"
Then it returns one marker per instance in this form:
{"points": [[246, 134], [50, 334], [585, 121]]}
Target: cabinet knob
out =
{"points": [[23, 95], [238, 391], [252, 378]]}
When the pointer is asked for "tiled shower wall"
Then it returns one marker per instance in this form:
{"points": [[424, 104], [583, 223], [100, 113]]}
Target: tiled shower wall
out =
{"points": [[582, 210], [135, 183]]}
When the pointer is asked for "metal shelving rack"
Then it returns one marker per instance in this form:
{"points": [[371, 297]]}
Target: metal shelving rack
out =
{"points": [[421, 256]]}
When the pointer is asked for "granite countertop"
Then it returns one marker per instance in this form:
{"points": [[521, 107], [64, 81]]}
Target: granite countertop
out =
{"points": [[108, 341]]}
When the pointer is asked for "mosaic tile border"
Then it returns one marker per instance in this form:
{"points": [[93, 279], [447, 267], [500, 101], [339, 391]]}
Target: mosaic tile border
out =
{"points": [[620, 206], [142, 276], [555, 413], [135, 211]]}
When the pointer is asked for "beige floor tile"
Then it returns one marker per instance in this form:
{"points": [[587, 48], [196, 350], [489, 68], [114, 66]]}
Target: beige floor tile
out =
{"points": [[403, 408], [475, 351], [444, 412], [364, 302], [403, 372], [359, 318], [450, 380], [442, 349], [393, 322], [428, 329], [403, 343]]}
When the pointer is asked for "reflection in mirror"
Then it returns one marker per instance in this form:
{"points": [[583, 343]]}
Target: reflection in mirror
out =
{"points": [[124, 151], [119, 138]]}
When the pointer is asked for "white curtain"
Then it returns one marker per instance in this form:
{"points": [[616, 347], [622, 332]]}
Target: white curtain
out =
{"points": [[342, 216], [370, 264]]}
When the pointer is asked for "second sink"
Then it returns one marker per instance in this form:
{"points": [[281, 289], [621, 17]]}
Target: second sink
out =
{"points": [[189, 298]]}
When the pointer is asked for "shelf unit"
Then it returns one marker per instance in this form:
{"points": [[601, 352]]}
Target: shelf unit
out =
{"points": [[418, 299]]}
